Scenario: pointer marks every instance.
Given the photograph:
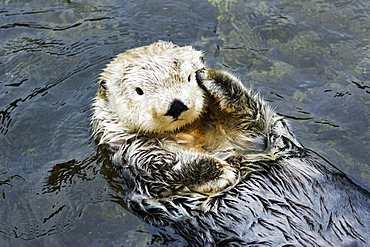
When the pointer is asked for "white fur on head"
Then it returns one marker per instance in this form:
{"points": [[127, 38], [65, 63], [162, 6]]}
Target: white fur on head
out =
{"points": [[142, 83]]}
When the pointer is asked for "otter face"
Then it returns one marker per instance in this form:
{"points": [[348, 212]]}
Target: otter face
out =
{"points": [[154, 88]]}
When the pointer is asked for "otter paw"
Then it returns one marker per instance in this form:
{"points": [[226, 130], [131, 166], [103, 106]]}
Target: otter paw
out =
{"points": [[228, 177], [205, 79], [224, 88]]}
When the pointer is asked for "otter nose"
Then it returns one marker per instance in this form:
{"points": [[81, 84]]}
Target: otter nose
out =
{"points": [[177, 107]]}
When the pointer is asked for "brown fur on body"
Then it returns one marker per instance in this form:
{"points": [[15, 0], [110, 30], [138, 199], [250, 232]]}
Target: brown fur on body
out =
{"points": [[225, 170]]}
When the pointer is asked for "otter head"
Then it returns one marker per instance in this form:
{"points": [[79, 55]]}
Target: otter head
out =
{"points": [[154, 88]]}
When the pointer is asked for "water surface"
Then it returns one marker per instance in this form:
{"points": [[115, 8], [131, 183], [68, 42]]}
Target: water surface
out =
{"points": [[309, 59]]}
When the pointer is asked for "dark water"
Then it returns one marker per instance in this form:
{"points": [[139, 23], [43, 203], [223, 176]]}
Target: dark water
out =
{"points": [[310, 59]]}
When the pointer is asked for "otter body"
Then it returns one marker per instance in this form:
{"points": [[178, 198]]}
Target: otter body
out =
{"points": [[201, 153]]}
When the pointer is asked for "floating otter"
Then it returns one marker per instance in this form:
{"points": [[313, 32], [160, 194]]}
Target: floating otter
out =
{"points": [[199, 152]]}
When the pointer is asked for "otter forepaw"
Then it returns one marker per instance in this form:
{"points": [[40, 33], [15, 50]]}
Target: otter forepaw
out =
{"points": [[205, 79], [223, 87], [228, 177]]}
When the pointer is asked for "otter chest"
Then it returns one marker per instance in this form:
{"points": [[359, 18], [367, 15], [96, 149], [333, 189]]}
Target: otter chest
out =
{"points": [[208, 138]]}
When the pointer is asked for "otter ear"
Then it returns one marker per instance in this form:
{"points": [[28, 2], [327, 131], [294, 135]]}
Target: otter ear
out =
{"points": [[103, 84]]}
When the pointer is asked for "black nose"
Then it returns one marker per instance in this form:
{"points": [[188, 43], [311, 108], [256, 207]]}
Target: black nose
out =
{"points": [[177, 107]]}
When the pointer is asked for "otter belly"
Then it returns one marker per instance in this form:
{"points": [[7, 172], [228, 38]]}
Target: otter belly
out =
{"points": [[295, 201]]}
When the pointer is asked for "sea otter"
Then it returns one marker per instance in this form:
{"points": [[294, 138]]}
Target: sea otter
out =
{"points": [[201, 153]]}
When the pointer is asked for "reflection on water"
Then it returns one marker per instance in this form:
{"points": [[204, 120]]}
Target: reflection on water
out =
{"points": [[309, 59]]}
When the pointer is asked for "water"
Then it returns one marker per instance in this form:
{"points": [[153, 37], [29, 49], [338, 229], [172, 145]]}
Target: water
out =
{"points": [[309, 59]]}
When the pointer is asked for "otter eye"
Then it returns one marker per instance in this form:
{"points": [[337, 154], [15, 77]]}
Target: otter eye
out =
{"points": [[202, 59], [139, 91], [189, 78]]}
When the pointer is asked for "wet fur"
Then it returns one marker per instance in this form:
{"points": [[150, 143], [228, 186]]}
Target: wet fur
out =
{"points": [[232, 174]]}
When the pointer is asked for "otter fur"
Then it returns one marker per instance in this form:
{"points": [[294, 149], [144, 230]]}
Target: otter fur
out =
{"points": [[208, 157]]}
